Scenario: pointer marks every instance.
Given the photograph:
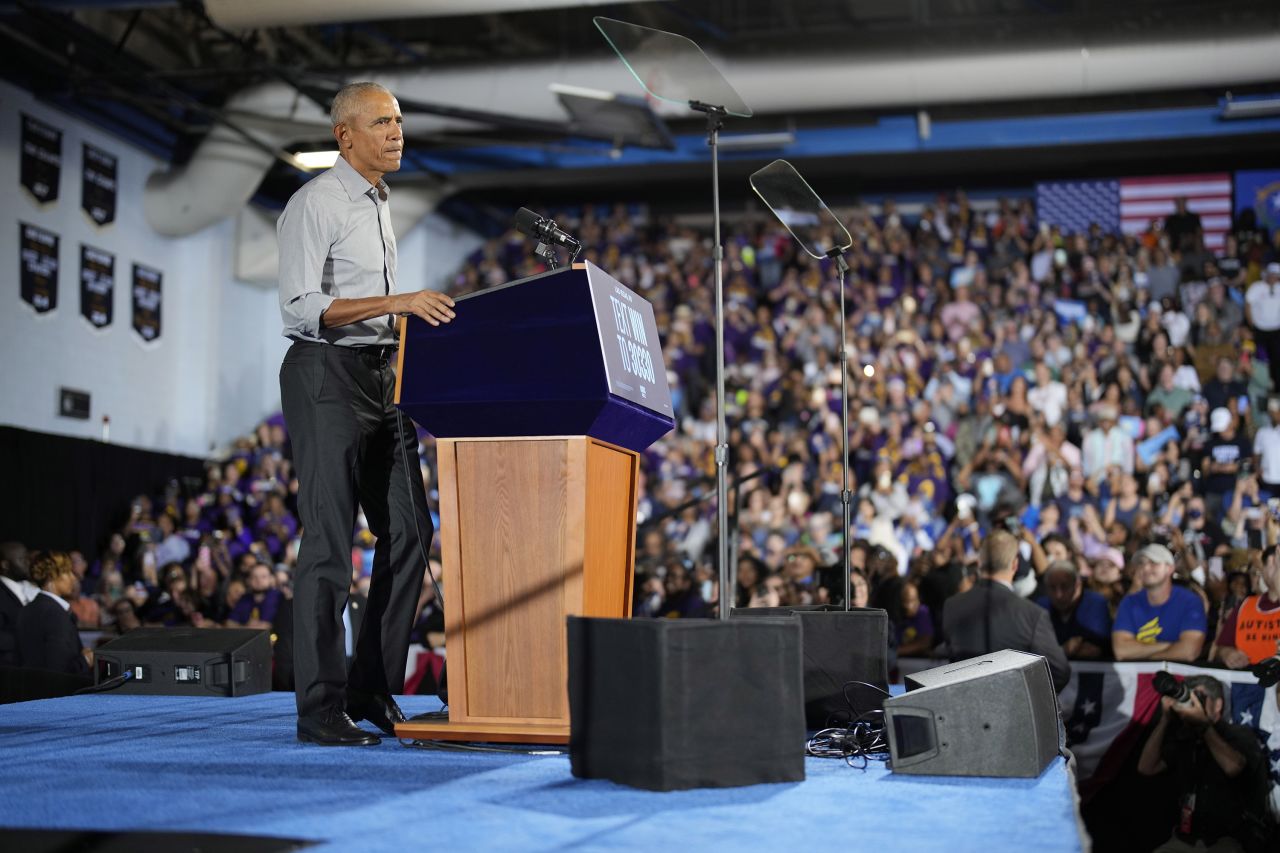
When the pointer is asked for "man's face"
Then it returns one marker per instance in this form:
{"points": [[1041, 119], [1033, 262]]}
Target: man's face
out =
{"points": [[1211, 704], [16, 561], [910, 601], [799, 566], [370, 138], [126, 617], [260, 578], [774, 549], [1154, 575], [1063, 588]]}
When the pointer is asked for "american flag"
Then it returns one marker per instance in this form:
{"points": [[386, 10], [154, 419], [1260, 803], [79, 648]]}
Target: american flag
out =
{"points": [[1129, 204]]}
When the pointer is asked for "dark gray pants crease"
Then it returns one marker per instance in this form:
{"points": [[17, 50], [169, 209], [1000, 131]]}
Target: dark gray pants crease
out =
{"points": [[342, 425]]}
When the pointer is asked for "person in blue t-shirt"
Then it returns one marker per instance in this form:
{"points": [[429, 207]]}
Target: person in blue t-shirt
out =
{"points": [[1081, 619], [1161, 621]]}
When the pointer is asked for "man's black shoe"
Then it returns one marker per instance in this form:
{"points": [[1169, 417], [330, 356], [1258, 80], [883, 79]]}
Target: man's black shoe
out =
{"points": [[378, 708], [334, 728]]}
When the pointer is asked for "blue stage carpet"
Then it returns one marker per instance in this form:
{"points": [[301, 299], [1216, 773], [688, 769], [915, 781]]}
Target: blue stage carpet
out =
{"points": [[232, 766]]}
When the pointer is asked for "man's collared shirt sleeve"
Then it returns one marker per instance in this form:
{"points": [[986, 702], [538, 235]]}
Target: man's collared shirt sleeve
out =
{"points": [[304, 234]]}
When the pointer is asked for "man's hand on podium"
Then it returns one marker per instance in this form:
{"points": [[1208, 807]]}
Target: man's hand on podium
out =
{"points": [[434, 307]]}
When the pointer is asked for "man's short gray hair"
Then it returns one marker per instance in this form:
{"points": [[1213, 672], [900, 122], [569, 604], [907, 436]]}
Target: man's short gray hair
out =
{"points": [[347, 101], [1067, 567]]}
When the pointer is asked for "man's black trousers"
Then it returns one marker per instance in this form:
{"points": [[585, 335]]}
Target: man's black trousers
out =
{"points": [[343, 429]]}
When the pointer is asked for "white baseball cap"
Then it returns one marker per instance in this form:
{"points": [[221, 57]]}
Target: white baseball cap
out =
{"points": [[1219, 419]]}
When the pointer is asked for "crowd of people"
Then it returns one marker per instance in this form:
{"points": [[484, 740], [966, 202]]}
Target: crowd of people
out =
{"points": [[1090, 393], [1104, 406], [221, 555]]}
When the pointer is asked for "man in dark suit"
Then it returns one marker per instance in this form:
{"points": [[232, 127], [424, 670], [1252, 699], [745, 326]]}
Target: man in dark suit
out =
{"points": [[10, 608], [15, 591], [991, 616]]}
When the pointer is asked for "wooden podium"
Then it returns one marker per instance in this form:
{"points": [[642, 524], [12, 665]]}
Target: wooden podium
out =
{"points": [[541, 393]]}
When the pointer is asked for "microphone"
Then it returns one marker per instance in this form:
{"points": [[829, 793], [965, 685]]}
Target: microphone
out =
{"points": [[543, 230]]}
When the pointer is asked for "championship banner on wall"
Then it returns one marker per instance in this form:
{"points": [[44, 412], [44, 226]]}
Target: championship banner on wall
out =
{"points": [[1259, 190], [38, 267], [98, 185], [146, 301], [97, 285], [41, 158]]}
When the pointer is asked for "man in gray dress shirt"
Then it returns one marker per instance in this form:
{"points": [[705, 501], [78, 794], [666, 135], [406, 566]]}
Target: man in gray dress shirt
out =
{"points": [[339, 304]]}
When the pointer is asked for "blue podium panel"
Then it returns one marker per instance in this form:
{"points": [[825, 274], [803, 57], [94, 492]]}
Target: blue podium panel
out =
{"points": [[570, 352]]}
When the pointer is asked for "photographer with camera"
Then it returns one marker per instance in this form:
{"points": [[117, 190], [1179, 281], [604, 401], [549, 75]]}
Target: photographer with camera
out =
{"points": [[1218, 769]]}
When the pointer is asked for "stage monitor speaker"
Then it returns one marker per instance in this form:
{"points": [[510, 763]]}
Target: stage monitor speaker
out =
{"points": [[994, 715], [839, 647], [188, 661], [670, 704]]}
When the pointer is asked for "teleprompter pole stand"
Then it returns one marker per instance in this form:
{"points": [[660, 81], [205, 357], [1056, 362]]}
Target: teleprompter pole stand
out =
{"points": [[728, 581], [842, 269]]}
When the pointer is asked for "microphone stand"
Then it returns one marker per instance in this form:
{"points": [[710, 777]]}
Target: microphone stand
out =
{"points": [[548, 254], [842, 268], [547, 233], [728, 581]]}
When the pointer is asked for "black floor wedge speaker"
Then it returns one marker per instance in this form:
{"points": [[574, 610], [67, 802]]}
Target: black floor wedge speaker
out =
{"points": [[691, 703], [840, 648], [994, 715], [188, 661]]}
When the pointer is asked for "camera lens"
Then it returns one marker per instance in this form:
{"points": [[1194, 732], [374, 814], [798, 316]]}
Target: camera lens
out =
{"points": [[1166, 685]]}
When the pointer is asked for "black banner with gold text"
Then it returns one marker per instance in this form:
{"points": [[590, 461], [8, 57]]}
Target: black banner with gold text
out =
{"points": [[97, 285], [98, 185], [146, 301], [38, 267], [41, 158]]}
